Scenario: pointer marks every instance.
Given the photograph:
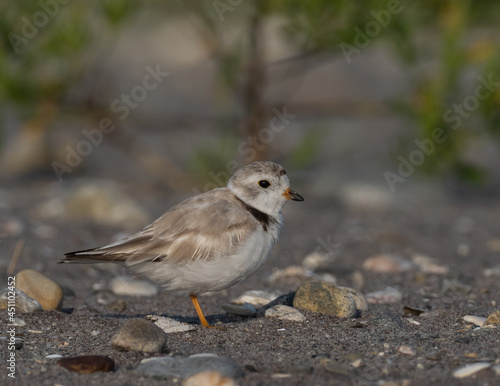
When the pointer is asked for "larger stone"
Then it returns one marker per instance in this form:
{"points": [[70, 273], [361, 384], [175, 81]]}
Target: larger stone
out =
{"points": [[139, 335], [41, 288], [325, 298], [184, 367]]}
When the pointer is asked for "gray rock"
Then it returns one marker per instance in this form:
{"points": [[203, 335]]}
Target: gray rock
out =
{"points": [[23, 302], [325, 298], [139, 335], [184, 367]]}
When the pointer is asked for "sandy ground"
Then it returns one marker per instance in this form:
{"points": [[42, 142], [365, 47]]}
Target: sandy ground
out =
{"points": [[458, 235]]}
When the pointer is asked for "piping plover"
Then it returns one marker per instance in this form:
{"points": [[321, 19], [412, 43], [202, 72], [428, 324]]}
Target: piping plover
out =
{"points": [[210, 241]]}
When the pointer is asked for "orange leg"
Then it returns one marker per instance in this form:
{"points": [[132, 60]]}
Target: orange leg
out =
{"points": [[203, 321]]}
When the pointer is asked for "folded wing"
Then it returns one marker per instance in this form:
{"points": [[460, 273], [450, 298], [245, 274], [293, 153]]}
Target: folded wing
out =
{"points": [[203, 227]]}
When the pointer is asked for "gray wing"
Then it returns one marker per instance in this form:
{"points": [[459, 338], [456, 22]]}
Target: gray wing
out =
{"points": [[202, 227]]}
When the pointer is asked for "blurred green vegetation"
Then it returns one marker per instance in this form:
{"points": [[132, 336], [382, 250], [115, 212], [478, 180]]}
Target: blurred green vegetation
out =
{"points": [[45, 60]]}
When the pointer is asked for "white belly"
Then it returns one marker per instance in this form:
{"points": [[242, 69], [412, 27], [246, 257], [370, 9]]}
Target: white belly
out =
{"points": [[202, 276]]}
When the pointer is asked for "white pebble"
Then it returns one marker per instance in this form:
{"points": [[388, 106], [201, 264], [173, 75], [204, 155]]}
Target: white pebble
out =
{"points": [[469, 370], [494, 271], [169, 325], [124, 285], [388, 295], [387, 264], [19, 322], [316, 260], [477, 320], [427, 265], [53, 356], [283, 312], [256, 297], [404, 349]]}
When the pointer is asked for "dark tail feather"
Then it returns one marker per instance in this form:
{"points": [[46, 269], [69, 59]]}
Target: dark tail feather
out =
{"points": [[94, 255]]}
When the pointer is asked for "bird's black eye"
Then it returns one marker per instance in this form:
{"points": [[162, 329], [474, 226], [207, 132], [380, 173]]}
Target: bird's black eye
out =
{"points": [[264, 184]]}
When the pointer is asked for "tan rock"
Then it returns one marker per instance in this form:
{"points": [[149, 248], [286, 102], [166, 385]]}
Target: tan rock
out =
{"points": [[41, 288], [326, 298], [493, 319], [209, 378]]}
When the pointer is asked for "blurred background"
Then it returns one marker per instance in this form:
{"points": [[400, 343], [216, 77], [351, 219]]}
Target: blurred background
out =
{"points": [[365, 102]]}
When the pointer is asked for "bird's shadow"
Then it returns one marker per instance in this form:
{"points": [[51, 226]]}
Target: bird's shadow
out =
{"points": [[216, 319]]}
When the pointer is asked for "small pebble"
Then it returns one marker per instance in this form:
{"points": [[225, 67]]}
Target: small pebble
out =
{"points": [[494, 245], [139, 335], [477, 320], [53, 356], [209, 378], [169, 325], [387, 264], [494, 271], [388, 295], [184, 367], [12, 227], [299, 275], [317, 260], [325, 298], [293, 272], [493, 319], [18, 342], [404, 349], [18, 322], [412, 311], [41, 288], [463, 250], [87, 364], [256, 297], [334, 367], [427, 265], [469, 370], [283, 312], [117, 306], [124, 285], [23, 303], [246, 309]]}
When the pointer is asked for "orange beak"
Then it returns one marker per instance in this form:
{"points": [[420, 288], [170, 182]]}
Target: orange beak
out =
{"points": [[291, 195]]}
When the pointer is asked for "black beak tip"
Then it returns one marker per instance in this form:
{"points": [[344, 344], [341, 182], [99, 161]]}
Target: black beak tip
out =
{"points": [[296, 197]]}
